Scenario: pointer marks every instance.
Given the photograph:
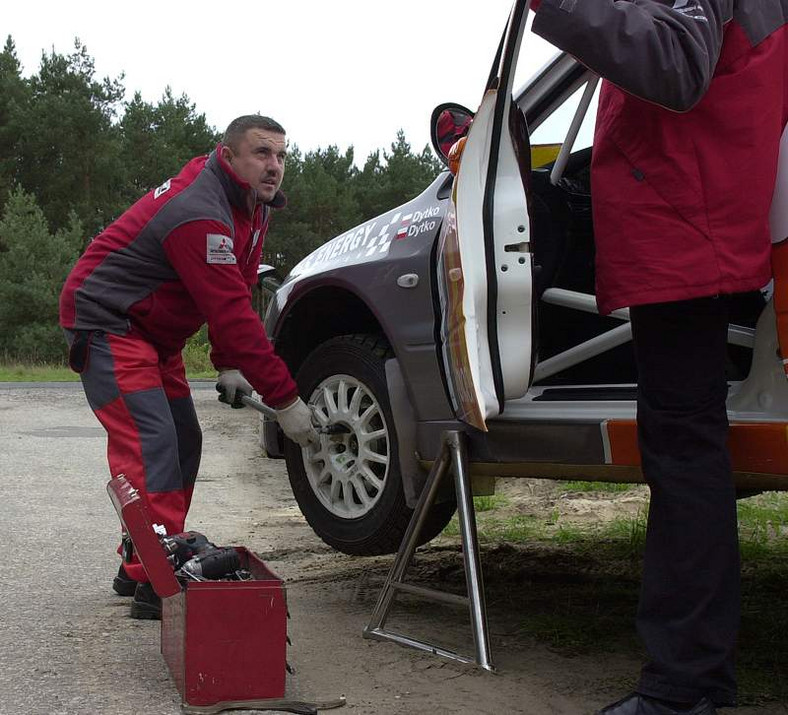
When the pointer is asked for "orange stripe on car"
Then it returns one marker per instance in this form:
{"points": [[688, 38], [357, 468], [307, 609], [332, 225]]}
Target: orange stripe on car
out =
{"points": [[755, 447]]}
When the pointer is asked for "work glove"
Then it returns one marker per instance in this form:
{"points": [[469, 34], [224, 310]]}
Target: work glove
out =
{"points": [[231, 384], [296, 422]]}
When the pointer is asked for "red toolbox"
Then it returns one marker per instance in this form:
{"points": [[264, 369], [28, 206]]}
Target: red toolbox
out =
{"points": [[223, 641]]}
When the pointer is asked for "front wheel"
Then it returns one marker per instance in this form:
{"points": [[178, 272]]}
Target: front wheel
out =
{"points": [[349, 487]]}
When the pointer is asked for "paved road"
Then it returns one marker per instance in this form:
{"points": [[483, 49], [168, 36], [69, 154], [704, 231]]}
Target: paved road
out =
{"points": [[66, 645], [63, 646]]}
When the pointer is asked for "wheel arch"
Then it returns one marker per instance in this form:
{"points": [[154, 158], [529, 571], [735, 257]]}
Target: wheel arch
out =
{"points": [[330, 311]]}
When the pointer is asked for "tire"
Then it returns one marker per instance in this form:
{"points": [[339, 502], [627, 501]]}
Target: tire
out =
{"points": [[350, 487]]}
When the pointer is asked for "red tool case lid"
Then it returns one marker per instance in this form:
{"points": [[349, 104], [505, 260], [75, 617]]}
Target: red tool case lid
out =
{"points": [[132, 512]]}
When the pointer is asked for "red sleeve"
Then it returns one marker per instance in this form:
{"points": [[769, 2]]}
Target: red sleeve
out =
{"points": [[202, 254]]}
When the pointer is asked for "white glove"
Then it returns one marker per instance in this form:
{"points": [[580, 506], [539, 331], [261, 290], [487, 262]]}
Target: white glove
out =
{"points": [[232, 384], [296, 422]]}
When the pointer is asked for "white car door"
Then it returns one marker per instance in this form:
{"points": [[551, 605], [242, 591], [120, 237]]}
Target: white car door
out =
{"points": [[485, 264]]}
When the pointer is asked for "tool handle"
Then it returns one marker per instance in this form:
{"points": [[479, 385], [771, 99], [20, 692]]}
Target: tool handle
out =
{"points": [[269, 412]]}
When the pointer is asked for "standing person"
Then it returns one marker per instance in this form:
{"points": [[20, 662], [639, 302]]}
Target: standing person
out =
{"points": [[186, 254], [684, 160]]}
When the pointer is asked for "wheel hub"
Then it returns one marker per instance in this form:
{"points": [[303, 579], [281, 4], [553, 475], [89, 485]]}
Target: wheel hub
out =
{"points": [[343, 455]]}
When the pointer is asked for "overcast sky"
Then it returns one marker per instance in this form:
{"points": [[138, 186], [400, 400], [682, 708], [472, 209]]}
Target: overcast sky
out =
{"points": [[341, 72]]}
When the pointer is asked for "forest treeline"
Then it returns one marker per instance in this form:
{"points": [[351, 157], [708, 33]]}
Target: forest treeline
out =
{"points": [[75, 153]]}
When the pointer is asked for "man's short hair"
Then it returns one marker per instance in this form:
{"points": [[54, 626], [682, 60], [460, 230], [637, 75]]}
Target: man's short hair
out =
{"points": [[240, 125]]}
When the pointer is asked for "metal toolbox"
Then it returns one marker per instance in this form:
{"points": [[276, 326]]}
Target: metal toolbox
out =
{"points": [[223, 641]]}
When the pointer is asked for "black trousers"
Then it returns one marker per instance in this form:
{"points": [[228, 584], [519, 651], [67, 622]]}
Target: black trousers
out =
{"points": [[688, 615]]}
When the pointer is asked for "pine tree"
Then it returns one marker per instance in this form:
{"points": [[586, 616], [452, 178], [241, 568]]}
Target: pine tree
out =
{"points": [[321, 204], [13, 98], [33, 266], [158, 140], [67, 155]]}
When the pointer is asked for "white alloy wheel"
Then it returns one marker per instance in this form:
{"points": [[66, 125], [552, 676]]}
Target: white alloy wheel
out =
{"points": [[348, 471], [349, 487]]}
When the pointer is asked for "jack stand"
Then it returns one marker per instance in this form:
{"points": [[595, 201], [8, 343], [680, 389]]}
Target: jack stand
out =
{"points": [[453, 455]]}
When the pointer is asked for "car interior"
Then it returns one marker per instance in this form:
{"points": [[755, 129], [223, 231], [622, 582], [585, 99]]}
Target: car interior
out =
{"points": [[588, 348]]}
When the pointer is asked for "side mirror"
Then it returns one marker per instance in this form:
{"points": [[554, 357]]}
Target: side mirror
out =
{"points": [[449, 123], [268, 278]]}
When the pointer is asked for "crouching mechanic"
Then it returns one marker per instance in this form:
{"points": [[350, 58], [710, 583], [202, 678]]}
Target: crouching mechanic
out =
{"points": [[186, 254]]}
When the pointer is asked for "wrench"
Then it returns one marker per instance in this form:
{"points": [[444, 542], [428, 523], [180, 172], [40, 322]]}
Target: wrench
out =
{"points": [[270, 412]]}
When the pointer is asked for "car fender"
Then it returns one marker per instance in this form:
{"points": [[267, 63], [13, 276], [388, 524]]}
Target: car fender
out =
{"points": [[413, 476], [392, 295]]}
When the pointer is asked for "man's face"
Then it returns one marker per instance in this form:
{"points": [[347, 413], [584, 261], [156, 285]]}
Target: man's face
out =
{"points": [[259, 159]]}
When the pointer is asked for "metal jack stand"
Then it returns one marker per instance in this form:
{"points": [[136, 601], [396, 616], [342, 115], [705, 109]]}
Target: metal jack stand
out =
{"points": [[453, 455]]}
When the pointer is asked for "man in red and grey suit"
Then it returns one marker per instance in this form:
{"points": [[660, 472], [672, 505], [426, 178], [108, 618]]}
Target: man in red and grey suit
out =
{"points": [[186, 254], [683, 172]]}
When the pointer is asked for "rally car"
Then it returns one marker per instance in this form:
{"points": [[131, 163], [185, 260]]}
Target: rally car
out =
{"points": [[472, 307]]}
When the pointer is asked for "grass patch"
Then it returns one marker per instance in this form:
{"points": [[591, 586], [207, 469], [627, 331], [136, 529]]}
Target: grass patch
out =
{"points": [[763, 520], [196, 360], [763, 526], [489, 502], [625, 536], [17, 372]]}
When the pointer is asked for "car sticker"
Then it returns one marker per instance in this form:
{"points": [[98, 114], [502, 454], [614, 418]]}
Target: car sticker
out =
{"points": [[371, 240], [418, 222]]}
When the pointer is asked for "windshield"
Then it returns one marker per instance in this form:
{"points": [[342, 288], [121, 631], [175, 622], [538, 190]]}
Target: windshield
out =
{"points": [[554, 128]]}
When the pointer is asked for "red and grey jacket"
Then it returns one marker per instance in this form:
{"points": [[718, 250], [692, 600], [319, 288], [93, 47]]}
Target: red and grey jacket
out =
{"points": [[185, 254], [687, 139]]}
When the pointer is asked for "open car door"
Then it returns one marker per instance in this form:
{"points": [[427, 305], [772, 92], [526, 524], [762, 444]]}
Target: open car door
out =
{"points": [[485, 264]]}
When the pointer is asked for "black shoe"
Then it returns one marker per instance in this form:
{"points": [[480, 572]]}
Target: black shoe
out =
{"points": [[636, 704], [123, 584], [146, 603]]}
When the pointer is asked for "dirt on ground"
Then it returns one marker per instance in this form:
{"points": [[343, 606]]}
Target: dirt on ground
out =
{"points": [[529, 587], [332, 595], [549, 609]]}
